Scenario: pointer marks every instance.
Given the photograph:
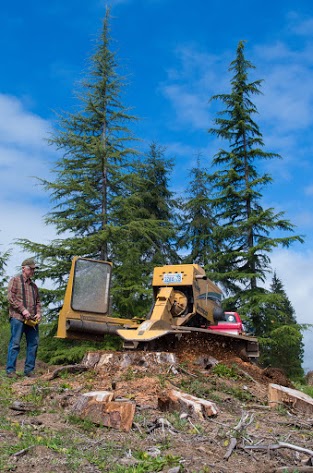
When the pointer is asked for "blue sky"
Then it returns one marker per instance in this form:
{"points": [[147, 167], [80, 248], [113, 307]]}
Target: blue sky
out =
{"points": [[175, 56]]}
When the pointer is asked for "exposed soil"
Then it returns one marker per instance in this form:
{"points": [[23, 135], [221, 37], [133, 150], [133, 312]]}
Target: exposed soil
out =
{"points": [[240, 395]]}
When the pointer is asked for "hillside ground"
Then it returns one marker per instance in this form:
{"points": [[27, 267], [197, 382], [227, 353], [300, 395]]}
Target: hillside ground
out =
{"points": [[39, 432]]}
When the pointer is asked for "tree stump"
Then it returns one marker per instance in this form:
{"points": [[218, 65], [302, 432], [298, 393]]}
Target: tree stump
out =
{"points": [[198, 408], [99, 408]]}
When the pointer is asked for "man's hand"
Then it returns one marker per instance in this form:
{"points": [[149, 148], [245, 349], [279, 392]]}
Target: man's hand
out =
{"points": [[26, 314], [37, 317]]}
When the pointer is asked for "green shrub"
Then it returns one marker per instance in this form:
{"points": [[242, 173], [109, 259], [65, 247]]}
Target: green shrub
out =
{"points": [[305, 389], [57, 351], [223, 371], [284, 349]]}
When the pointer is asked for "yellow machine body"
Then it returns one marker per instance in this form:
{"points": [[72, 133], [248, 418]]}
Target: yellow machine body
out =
{"points": [[185, 302], [181, 293], [182, 296]]}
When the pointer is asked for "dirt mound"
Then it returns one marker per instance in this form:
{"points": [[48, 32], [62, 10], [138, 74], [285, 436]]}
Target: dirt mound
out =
{"points": [[277, 376]]}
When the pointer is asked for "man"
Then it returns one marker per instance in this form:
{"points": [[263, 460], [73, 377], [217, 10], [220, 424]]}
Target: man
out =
{"points": [[25, 315]]}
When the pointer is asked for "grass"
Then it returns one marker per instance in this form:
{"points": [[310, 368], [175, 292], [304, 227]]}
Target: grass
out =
{"points": [[206, 389], [239, 394], [38, 392], [196, 387], [305, 389], [79, 442], [5, 391], [144, 463], [23, 435], [84, 424], [223, 371], [69, 444]]}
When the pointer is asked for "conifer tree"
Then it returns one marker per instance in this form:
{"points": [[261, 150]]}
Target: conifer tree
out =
{"points": [[248, 231], [3, 284], [287, 349], [198, 219], [160, 205], [282, 340], [95, 156], [282, 312], [4, 307], [146, 215]]}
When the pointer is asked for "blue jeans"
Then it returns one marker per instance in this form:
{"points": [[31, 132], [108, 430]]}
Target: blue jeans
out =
{"points": [[32, 340]]}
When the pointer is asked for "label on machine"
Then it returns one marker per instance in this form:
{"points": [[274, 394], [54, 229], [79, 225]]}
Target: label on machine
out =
{"points": [[172, 278]]}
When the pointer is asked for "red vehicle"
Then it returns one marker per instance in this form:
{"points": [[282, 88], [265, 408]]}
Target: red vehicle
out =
{"points": [[232, 324]]}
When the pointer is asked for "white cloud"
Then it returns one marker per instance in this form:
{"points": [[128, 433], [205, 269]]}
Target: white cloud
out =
{"points": [[309, 190], [19, 170], [189, 108], [24, 152], [300, 26], [190, 86], [23, 155], [22, 221], [288, 97], [303, 219], [19, 126], [294, 269]]}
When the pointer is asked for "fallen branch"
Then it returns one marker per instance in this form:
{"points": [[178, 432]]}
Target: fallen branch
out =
{"points": [[291, 469], [256, 406], [22, 452], [22, 406], [232, 446], [173, 384], [277, 445], [218, 423], [294, 423], [193, 426], [182, 370], [135, 424], [163, 424], [68, 369], [244, 422]]}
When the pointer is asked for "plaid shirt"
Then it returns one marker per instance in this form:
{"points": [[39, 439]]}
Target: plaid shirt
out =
{"points": [[15, 297]]}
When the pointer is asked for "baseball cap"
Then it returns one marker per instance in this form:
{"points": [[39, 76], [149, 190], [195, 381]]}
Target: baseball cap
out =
{"points": [[29, 262]]}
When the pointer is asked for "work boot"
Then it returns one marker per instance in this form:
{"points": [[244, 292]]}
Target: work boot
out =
{"points": [[30, 375], [12, 374]]}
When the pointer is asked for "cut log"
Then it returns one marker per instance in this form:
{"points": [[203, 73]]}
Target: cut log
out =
{"points": [[291, 397], [174, 400], [99, 408]]}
